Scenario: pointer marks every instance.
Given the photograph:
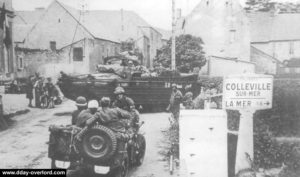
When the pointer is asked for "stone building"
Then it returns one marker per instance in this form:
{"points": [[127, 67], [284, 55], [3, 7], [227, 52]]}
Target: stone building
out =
{"points": [[49, 40], [276, 35], [62, 39], [224, 29], [7, 61]]}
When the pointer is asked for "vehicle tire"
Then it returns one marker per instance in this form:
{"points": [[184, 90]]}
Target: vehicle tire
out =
{"points": [[122, 171], [141, 142], [98, 143], [53, 166]]}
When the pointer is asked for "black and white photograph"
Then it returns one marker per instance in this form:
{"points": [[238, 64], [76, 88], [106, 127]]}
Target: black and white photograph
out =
{"points": [[150, 88]]}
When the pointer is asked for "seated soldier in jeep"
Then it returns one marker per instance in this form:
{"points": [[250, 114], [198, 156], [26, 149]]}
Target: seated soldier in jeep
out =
{"points": [[114, 118], [110, 117], [125, 103]]}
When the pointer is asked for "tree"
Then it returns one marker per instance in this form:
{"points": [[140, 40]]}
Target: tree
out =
{"points": [[127, 45], [189, 53], [260, 5]]}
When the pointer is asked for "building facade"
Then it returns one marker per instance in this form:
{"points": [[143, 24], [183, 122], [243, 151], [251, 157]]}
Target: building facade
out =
{"points": [[224, 29], [60, 41], [7, 60], [276, 34]]}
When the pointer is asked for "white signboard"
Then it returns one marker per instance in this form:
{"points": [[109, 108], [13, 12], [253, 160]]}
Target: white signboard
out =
{"points": [[252, 92], [203, 143], [2, 89]]}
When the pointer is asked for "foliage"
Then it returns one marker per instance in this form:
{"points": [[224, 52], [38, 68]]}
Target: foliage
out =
{"points": [[260, 5], [127, 45], [189, 53]]}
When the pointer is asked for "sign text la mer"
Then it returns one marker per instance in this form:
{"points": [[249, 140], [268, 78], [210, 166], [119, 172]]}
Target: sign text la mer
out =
{"points": [[247, 92]]}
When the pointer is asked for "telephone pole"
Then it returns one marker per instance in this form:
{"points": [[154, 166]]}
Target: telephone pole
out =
{"points": [[173, 61]]}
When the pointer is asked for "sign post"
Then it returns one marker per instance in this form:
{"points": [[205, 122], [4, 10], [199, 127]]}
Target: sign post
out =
{"points": [[247, 93]]}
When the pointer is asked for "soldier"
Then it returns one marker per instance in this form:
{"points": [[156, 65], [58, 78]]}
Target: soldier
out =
{"points": [[81, 105], [110, 117], [122, 101], [188, 98], [126, 103], [87, 114], [29, 90], [175, 100]]}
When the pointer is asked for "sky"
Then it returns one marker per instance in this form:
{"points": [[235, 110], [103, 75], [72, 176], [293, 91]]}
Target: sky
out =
{"points": [[157, 13]]}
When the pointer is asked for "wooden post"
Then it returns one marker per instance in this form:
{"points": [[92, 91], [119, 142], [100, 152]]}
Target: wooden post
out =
{"points": [[173, 47], [3, 124], [245, 145]]}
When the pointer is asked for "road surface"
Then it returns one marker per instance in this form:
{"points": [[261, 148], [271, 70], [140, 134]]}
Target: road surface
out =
{"points": [[24, 145]]}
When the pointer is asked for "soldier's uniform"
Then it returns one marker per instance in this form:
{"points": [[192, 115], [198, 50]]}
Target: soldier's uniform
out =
{"points": [[112, 118], [175, 100], [87, 114], [125, 103], [81, 105], [188, 100]]}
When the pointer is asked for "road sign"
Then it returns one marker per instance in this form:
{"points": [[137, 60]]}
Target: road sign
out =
{"points": [[248, 92]]}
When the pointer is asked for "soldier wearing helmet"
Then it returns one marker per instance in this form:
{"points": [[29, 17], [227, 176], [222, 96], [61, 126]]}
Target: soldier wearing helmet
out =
{"points": [[122, 101], [175, 100], [81, 105], [87, 114], [114, 118]]}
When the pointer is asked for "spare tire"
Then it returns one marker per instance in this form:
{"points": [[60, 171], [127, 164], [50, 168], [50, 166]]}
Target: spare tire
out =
{"points": [[98, 143]]}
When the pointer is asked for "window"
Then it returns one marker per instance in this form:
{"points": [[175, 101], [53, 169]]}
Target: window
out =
{"points": [[77, 54], [53, 45], [20, 62], [116, 50], [232, 35], [291, 48]]}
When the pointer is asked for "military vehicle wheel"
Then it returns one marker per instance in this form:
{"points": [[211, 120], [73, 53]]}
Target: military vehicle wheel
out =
{"points": [[53, 166], [122, 171], [141, 142], [98, 143]]}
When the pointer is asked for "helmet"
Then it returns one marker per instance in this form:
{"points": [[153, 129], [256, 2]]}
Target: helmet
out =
{"points": [[80, 101], [93, 104], [119, 90], [105, 101], [174, 85]]}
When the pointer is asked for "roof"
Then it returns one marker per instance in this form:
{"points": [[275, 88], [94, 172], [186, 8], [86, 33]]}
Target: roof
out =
{"points": [[8, 4], [166, 34], [265, 55], [24, 21], [30, 17], [266, 26], [111, 25], [20, 31], [123, 24], [91, 24]]}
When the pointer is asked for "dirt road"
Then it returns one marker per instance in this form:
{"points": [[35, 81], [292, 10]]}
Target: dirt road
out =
{"points": [[25, 144]]}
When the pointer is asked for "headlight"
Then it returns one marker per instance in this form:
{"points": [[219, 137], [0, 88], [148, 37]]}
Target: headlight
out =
{"points": [[101, 169], [62, 164]]}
